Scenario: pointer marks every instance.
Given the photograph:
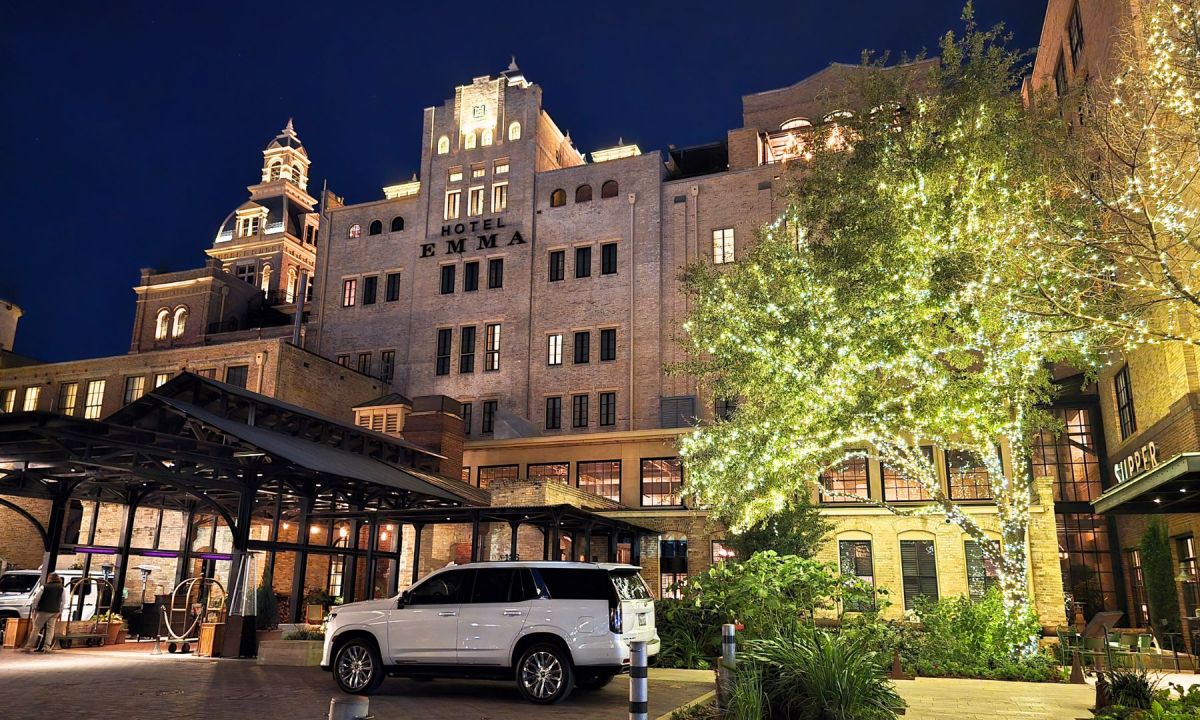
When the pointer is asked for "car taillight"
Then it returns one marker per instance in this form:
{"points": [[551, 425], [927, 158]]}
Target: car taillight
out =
{"points": [[615, 621]]}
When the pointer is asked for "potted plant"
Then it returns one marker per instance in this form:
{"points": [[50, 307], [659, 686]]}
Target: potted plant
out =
{"points": [[115, 625], [316, 602]]}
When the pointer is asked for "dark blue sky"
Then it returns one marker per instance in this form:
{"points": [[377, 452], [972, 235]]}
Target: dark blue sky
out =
{"points": [[129, 130]]}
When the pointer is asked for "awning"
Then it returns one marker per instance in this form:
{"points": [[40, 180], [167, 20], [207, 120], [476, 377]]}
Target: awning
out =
{"points": [[1170, 487]]}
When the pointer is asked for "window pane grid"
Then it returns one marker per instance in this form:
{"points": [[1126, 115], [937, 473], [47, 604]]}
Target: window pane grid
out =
{"points": [[443, 351], [602, 477], [554, 350], [553, 413], [662, 481], [466, 350], [558, 472], [491, 357], [967, 479], [608, 408], [849, 478], [855, 558], [489, 476], [898, 488], [579, 411], [1071, 458]]}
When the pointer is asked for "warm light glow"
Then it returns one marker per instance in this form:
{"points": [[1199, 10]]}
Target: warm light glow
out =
{"points": [[314, 530]]}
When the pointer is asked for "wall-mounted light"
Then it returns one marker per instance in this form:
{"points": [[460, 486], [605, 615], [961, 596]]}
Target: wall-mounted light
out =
{"points": [[314, 530]]}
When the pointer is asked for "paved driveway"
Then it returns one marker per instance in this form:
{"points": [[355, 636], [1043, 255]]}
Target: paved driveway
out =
{"points": [[101, 684]]}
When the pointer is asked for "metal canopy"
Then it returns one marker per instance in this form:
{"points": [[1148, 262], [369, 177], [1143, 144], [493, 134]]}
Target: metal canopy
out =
{"points": [[565, 517], [1172, 487]]}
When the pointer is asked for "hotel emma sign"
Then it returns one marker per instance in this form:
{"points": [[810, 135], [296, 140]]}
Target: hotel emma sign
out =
{"points": [[483, 234], [1143, 459]]}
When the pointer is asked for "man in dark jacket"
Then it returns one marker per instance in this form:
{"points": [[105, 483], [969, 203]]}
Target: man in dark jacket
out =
{"points": [[45, 614]]}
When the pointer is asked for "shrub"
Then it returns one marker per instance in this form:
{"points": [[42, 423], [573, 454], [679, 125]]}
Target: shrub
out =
{"points": [[690, 634], [1128, 687], [266, 605], [304, 634], [1159, 572]]}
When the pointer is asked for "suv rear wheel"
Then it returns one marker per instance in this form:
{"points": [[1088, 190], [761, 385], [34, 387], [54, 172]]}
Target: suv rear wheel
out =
{"points": [[544, 674], [357, 667]]}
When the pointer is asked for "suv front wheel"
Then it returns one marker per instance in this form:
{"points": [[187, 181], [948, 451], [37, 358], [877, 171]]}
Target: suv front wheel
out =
{"points": [[544, 674], [357, 667]]}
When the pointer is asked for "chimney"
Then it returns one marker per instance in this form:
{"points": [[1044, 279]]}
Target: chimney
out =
{"points": [[436, 423]]}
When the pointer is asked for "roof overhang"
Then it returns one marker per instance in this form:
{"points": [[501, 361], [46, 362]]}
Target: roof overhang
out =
{"points": [[1170, 487]]}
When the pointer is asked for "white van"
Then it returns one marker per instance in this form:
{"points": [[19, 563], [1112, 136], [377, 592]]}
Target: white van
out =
{"points": [[19, 589]]}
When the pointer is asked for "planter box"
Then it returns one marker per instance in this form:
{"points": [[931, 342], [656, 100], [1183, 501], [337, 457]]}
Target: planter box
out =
{"points": [[297, 653]]}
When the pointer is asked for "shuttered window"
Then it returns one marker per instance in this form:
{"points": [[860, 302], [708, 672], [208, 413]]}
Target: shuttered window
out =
{"points": [[919, 568], [677, 411]]}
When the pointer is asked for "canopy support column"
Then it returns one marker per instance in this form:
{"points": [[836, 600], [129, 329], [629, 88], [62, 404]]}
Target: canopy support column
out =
{"points": [[133, 500], [514, 528], [475, 536], [54, 526], [301, 566], [416, 561]]}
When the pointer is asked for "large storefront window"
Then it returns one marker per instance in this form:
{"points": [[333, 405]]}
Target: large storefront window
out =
{"points": [[1070, 458], [1083, 539], [558, 472], [490, 475]]}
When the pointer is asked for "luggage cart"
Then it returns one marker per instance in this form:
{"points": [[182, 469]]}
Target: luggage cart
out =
{"points": [[93, 631], [193, 602]]}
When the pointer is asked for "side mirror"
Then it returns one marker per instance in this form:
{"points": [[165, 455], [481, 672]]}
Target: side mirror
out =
{"points": [[402, 600]]}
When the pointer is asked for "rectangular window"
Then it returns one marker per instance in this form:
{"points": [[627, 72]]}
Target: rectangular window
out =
{"points": [[31, 398], [722, 552], [722, 246], [1075, 35], [491, 355], [601, 478], [850, 478], [579, 411], [558, 472], [478, 171], [583, 347], [211, 373], [490, 475], [392, 287], [918, 566], [499, 197], [495, 273], [662, 481], [466, 473], [468, 413], [583, 262], [1071, 457], [488, 423], [608, 259], [8, 400], [343, 360], [455, 174], [673, 568], [981, 573], [466, 350], [500, 168], [447, 287], [1060, 76], [349, 292], [387, 365], [370, 289], [553, 413], [161, 379], [856, 559], [443, 351], [237, 375], [1188, 577], [475, 201], [364, 363], [1137, 588], [966, 476], [898, 488], [608, 409], [554, 350], [135, 387], [453, 201], [608, 344], [471, 276], [94, 400], [558, 262], [247, 273], [1124, 393], [724, 408], [68, 396]]}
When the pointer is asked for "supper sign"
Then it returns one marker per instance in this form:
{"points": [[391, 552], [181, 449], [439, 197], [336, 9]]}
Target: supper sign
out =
{"points": [[1143, 459]]}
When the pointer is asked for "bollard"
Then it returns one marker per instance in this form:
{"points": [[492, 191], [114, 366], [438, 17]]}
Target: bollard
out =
{"points": [[349, 707], [639, 691], [727, 666]]}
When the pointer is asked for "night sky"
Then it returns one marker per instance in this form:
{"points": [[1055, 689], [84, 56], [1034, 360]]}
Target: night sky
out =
{"points": [[128, 131]]}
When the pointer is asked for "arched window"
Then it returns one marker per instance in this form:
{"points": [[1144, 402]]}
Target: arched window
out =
{"points": [[443, 145], [265, 282], [514, 131], [274, 172], [583, 193], [469, 140], [376, 227], [291, 285], [162, 325], [356, 230], [487, 137], [397, 224], [180, 325], [609, 189], [558, 198], [297, 174]]}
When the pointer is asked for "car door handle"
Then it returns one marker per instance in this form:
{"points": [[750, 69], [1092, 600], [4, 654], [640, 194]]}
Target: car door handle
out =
{"points": [[447, 613], [511, 613]]}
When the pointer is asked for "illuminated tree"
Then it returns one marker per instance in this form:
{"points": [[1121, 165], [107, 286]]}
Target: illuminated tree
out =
{"points": [[1135, 158], [884, 311]]}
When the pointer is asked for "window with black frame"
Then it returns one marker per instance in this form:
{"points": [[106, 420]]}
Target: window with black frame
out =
{"points": [[849, 478], [673, 566], [1189, 577], [1124, 396], [966, 477], [918, 568], [856, 559], [982, 574], [444, 338], [1140, 608], [898, 487]]}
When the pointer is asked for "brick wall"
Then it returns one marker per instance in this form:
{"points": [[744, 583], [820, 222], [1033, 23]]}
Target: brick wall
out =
{"points": [[20, 544]]}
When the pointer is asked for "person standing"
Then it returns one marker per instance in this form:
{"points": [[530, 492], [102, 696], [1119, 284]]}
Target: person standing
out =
{"points": [[46, 612]]}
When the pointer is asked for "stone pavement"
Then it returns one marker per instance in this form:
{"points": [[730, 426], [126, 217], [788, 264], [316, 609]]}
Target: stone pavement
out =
{"points": [[951, 699], [136, 686]]}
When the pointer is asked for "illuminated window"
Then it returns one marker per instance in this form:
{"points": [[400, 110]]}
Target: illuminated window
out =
{"points": [[579, 411], [609, 189], [1137, 588], [722, 245], [500, 168], [94, 400], [558, 263], [486, 139], [162, 324], [297, 174], [355, 230], [68, 395], [722, 552], [558, 198], [469, 140], [375, 228], [490, 475], [466, 471], [349, 292], [478, 171], [966, 476], [583, 194], [514, 131], [32, 394], [795, 123], [558, 472], [274, 172], [444, 338], [662, 481], [456, 174], [8, 400], [466, 349], [554, 350], [602, 477], [180, 323], [856, 559], [608, 409], [161, 379], [849, 478], [292, 279], [918, 566], [397, 224], [453, 200], [1124, 393], [135, 387], [673, 565], [499, 197], [488, 423], [266, 277], [553, 414], [491, 353], [443, 145], [475, 201], [248, 226], [899, 488], [981, 572], [1070, 458], [1189, 571]]}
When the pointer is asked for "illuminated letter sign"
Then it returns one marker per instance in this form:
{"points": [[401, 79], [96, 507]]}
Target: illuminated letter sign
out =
{"points": [[1143, 459]]}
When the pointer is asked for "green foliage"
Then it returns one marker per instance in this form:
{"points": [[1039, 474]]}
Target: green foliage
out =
{"points": [[1173, 703], [304, 634], [1128, 687], [798, 528], [266, 605], [1159, 571], [815, 675], [690, 634], [747, 698]]}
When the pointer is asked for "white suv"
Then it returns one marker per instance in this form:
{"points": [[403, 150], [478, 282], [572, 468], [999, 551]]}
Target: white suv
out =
{"points": [[551, 626]]}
